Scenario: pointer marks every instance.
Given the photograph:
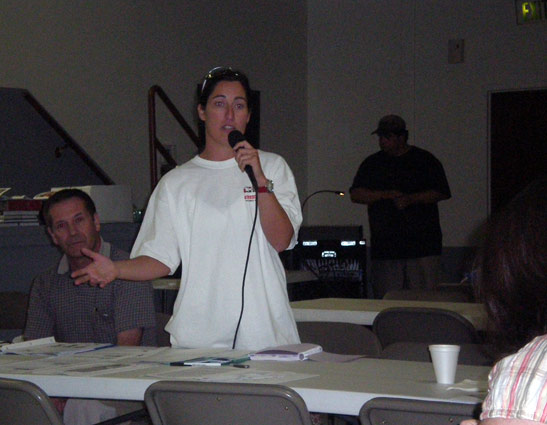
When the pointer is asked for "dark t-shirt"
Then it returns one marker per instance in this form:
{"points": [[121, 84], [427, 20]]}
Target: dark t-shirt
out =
{"points": [[414, 231]]}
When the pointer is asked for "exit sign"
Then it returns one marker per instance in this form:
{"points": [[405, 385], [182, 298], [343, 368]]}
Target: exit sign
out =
{"points": [[531, 11]]}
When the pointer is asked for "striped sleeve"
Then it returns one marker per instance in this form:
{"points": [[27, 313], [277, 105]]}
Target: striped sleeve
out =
{"points": [[518, 385]]}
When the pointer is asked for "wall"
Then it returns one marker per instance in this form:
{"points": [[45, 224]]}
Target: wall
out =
{"points": [[91, 64], [368, 58], [26, 251], [327, 70]]}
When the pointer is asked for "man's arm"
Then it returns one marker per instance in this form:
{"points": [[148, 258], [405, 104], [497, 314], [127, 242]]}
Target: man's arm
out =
{"points": [[103, 270], [361, 195], [130, 337], [426, 197], [40, 322]]}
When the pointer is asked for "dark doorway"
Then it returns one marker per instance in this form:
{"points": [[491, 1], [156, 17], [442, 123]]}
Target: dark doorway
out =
{"points": [[518, 142]]}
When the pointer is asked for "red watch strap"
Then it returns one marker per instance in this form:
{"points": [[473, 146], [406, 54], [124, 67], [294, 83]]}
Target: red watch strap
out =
{"points": [[263, 189]]}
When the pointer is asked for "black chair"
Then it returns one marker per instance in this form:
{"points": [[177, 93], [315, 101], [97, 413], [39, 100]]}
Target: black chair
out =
{"points": [[470, 354], [198, 403], [340, 338], [457, 294], [163, 337], [427, 325], [396, 411], [25, 403], [12, 314]]}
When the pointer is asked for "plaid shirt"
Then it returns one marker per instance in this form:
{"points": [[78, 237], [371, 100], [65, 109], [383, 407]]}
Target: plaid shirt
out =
{"points": [[89, 314], [518, 385]]}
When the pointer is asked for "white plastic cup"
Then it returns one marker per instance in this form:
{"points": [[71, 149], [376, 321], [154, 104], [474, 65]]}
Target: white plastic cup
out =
{"points": [[445, 362]]}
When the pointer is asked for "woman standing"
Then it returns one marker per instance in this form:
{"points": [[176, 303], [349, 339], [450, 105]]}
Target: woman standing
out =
{"points": [[206, 215]]}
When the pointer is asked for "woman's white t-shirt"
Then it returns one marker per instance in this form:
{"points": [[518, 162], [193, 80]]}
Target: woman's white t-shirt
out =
{"points": [[201, 215]]}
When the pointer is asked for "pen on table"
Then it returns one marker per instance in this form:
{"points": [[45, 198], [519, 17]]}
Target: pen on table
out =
{"points": [[240, 360], [241, 366], [178, 364]]}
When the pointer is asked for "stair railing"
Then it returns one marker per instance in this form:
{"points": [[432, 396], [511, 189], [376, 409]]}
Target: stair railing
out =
{"points": [[154, 143], [67, 138]]}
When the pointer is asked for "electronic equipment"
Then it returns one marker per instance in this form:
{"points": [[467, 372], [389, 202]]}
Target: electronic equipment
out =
{"points": [[337, 255]]}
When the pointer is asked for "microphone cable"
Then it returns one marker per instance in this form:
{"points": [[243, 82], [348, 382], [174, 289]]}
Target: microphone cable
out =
{"points": [[245, 272]]}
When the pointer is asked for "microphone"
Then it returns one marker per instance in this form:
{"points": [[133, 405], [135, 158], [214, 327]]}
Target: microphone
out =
{"points": [[234, 137]]}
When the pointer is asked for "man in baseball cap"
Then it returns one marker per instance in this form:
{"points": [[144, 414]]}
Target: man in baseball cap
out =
{"points": [[391, 124], [401, 185]]}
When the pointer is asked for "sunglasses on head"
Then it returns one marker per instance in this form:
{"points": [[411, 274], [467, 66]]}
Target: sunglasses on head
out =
{"points": [[218, 72]]}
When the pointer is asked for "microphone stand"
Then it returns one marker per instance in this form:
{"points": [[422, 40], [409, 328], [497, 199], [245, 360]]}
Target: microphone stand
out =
{"points": [[336, 192]]}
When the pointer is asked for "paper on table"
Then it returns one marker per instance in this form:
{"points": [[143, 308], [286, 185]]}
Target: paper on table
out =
{"points": [[101, 369], [292, 352], [181, 354], [124, 352], [27, 344], [470, 385], [48, 347], [212, 361], [228, 374], [334, 358]]}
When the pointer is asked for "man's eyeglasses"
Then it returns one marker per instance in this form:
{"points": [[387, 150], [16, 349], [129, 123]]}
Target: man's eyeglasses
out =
{"points": [[216, 72]]}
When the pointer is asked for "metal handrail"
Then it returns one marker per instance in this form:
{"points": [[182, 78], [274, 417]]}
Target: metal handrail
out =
{"points": [[154, 144], [69, 141]]}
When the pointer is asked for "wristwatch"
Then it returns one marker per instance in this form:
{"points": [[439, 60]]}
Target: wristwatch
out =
{"points": [[269, 188]]}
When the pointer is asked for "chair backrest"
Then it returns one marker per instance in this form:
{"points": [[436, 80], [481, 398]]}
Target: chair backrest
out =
{"points": [[163, 337], [25, 403], [395, 411], [340, 338], [198, 403], [449, 295], [416, 324], [14, 309], [12, 314], [470, 354]]}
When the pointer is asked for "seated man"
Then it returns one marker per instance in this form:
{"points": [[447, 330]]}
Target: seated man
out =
{"points": [[121, 313]]}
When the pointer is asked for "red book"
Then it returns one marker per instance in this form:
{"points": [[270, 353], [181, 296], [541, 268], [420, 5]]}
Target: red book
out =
{"points": [[21, 204]]}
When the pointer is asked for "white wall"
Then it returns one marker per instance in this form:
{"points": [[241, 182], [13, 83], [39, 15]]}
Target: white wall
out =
{"points": [[368, 58], [91, 63], [327, 71]]}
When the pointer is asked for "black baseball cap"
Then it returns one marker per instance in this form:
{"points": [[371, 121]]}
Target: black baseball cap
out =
{"points": [[390, 124]]}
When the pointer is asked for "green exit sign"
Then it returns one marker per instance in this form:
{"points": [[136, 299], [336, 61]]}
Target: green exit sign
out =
{"points": [[531, 11]]}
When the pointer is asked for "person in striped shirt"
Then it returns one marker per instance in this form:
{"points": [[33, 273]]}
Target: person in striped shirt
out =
{"points": [[513, 286]]}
